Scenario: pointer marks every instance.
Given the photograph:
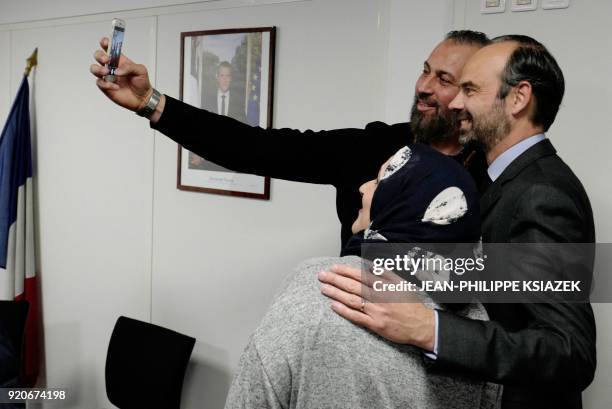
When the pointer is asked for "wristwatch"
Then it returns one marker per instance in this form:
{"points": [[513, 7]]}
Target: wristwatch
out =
{"points": [[152, 103]]}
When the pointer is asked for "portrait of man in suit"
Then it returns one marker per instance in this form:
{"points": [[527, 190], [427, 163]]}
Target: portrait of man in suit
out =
{"points": [[227, 74], [220, 99], [221, 83]]}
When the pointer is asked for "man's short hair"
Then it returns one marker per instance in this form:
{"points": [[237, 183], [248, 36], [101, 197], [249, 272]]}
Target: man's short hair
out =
{"points": [[532, 62], [468, 37]]}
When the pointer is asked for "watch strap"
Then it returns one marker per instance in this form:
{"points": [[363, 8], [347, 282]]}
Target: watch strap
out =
{"points": [[152, 103]]}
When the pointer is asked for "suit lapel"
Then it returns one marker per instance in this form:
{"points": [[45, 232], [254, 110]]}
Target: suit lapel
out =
{"points": [[495, 190], [490, 196]]}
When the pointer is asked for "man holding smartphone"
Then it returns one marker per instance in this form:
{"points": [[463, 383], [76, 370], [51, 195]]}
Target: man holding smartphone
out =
{"points": [[263, 152]]}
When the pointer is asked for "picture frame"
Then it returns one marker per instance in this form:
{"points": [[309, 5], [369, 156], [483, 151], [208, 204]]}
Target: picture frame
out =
{"points": [[229, 72], [492, 6], [555, 4], [524, 5]]}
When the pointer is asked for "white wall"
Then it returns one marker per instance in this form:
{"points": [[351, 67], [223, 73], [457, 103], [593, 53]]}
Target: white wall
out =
{"points": [[415, 27], [578, 37], [94, 188], [116, 237], [5, 67], [219, 258], [34, 10]]}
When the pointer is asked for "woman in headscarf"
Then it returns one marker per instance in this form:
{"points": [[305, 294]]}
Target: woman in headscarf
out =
{"points": [[303, 355]]}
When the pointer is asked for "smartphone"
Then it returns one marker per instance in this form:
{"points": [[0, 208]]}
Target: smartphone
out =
{"points": [[114, 48]]}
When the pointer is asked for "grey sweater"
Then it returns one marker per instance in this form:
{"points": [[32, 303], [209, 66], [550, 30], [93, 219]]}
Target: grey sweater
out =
{"points": [[303, 355]]}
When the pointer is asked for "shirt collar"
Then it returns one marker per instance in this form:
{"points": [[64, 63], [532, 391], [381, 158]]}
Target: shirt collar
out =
{"points": [[506, 158]]}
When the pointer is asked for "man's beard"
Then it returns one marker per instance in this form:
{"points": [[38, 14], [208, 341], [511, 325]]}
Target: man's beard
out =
{"points": [[437, 128], [488, 129]]}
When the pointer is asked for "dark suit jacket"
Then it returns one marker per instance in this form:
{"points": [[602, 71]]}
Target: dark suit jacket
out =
{"points": [[236, 108], [544, 353]]}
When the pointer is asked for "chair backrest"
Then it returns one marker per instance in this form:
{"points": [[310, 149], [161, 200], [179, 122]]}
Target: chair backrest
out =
{"points": [[145, 365], [13, 316]]}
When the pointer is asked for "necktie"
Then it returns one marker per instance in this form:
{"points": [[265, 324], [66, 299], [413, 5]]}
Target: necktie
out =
{"points": [[223, 105]]}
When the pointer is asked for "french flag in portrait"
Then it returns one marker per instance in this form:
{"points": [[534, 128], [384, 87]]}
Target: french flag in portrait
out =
{"points": [[17, 258]]}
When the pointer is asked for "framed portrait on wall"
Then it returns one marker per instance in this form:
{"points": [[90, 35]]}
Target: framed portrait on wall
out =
{"points": [[229, 72]]}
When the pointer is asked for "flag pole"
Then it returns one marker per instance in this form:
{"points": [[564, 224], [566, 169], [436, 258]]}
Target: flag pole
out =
{"points": [[32, 62]]}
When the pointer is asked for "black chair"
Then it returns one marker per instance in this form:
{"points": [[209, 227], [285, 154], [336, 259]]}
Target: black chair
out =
{"points": [[13, 316], [145, 365]]}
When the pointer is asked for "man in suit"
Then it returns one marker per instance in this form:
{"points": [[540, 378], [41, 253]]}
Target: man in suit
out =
{"points": [[543, 353], [223, 99]]}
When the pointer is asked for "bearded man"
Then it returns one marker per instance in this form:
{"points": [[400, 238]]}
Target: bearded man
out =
{"points": [[294, 155]]}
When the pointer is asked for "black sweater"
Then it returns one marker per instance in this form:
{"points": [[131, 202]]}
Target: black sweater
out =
{"points": [[344, 158]]}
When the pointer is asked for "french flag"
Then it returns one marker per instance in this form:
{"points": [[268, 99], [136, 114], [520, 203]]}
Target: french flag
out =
{"points": [[17, 258]]}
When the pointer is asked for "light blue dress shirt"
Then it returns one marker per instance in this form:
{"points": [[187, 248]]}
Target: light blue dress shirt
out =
{"points": [[506, 158]]}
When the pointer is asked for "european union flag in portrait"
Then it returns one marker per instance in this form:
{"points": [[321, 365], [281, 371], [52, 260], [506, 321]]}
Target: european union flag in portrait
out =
{"points": [[254, 94]]}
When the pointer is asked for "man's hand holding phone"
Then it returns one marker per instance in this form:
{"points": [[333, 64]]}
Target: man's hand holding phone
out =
{"points": [[131, 89]]}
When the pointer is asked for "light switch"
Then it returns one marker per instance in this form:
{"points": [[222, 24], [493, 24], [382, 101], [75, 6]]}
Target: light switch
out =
{"points": [[555, 4], [524, 5], [492, 6]]}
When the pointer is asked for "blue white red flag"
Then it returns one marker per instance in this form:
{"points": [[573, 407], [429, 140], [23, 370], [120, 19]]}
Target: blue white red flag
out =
{"points": [[17, 257]]}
